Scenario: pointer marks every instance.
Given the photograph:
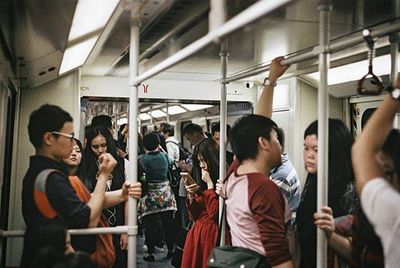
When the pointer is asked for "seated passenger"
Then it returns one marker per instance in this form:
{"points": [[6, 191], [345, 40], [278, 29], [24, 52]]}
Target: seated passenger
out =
{"points": [[379, 199]]}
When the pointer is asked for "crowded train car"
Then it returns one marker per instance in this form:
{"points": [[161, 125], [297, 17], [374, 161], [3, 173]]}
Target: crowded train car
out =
{"points": [[192, 133]]}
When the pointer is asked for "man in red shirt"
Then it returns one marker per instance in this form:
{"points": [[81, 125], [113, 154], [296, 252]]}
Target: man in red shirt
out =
{"points": [[254, 205]]}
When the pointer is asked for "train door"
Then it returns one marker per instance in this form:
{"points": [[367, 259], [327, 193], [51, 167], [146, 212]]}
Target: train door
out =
{"points": [[7, 113]]}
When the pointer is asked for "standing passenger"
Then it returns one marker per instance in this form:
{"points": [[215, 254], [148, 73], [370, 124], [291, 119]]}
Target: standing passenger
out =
{"points": [[159, 203], [51, 132], [99, 142], [202, 204], [254, 205], [341, 194], [379, 200], [215, 132]]}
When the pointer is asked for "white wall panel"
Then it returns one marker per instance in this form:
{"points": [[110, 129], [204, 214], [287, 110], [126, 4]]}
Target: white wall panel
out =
{"points": [[63, 92], [165, 89]]}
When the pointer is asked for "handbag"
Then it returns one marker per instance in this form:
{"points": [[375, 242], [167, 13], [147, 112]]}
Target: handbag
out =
{"points": [[230, 256], [176, 260]]}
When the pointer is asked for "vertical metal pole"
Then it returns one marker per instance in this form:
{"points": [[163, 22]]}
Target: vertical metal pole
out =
{"points": [[323, 125], [133, 135], [167, 111], [394, 43], [222, 121], [115, 119], [217, 15]]}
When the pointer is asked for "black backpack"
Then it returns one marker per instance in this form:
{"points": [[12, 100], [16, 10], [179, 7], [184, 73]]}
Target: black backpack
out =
{"points": [[184, 153]]}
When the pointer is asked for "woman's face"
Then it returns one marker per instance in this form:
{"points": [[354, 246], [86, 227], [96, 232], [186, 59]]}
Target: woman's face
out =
{"points": [[75, 157], [310, 153], [99, 145], [202, 163]]}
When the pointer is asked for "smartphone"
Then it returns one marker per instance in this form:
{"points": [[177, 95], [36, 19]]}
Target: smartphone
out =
{"points": [[187, 178]]}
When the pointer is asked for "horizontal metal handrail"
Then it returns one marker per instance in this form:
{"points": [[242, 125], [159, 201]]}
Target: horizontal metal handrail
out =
{"points": [[124, 229], [336, 45], [247, 16]]}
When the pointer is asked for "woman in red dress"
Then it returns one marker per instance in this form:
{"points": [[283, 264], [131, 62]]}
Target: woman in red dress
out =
{"points": [[202, 203]]}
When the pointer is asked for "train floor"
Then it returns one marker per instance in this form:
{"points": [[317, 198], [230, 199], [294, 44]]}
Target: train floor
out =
{"points": [[160, 257]]}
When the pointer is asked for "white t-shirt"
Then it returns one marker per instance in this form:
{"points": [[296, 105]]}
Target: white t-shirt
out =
{"points": [[172, 148], [381, 204]]}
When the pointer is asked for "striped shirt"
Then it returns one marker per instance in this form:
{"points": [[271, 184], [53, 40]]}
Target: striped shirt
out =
{"points": [[286, 178]]}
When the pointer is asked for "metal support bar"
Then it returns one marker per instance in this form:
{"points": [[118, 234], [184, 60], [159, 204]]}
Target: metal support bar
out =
{"points": [[394, 43], [323, 127], [87, 231], [247, 16], [217, 16], [334, 46], [133, 132], [222, 128]]}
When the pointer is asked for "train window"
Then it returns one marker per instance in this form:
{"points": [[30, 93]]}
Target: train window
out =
{"points": [[366, 115]]}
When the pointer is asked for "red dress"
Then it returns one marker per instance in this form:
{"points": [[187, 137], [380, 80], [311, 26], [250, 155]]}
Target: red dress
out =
{"points": [[202, 237]]}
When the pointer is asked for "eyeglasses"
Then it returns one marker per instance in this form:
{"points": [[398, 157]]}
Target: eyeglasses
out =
{"points": [[69, 136]]}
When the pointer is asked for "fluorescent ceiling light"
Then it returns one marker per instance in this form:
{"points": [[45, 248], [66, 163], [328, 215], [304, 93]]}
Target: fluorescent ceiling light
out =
{"points": [[174, 110], [194, 107], [355, 71], [89, 20], [144, 116], [157, 113], [76, 55], [90, 16]]}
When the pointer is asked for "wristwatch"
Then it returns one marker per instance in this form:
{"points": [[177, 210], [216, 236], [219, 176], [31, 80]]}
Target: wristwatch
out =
{"points": [[394, 92], [268, 82]]}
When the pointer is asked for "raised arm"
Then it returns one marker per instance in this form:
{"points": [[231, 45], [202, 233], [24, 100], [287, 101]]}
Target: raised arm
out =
{"points": [[264, 104], [97, 199], [365, 164]]}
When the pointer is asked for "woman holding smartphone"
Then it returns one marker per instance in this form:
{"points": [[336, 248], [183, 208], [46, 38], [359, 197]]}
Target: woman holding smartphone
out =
{"points": [[202, 203]]}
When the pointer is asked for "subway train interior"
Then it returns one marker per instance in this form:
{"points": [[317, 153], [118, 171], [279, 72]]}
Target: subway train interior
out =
{"points": [[77, 54]]}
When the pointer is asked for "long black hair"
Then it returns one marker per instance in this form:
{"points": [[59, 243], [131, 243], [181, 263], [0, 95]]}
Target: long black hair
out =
{"points": [[81, 171], [340, 173], [91, 161], [208, 150]]}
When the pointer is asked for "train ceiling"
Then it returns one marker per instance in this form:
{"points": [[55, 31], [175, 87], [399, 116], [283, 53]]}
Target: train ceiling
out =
{"points": [[34, 35]]}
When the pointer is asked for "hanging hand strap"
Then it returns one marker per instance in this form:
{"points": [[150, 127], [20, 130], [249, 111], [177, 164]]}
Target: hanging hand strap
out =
{"points": [[370, 76]]}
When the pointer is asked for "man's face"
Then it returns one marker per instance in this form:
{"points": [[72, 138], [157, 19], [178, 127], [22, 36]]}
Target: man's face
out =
{"points": [[62, 142], [276, 149], [193, 138]]}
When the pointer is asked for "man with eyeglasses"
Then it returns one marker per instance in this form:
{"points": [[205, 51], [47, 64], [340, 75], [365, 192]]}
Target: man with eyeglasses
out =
{"points": [[51, 133]]}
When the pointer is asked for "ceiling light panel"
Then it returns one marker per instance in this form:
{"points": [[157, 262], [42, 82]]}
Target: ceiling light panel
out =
{"points": [[90, 16], [144, 116], [195, 107], [157, 113], [76, 55], [355, 71], [174, 110]]}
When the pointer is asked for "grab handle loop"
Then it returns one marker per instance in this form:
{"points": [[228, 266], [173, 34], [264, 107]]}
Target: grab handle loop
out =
{"points": [[370, 84]]}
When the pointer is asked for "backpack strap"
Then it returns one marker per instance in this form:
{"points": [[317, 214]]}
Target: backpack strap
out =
{"points": [[39, 194]]}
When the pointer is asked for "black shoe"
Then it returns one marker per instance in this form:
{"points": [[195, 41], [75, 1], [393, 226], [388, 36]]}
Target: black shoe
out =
{"points": [[149, 258], [170, 254]]}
